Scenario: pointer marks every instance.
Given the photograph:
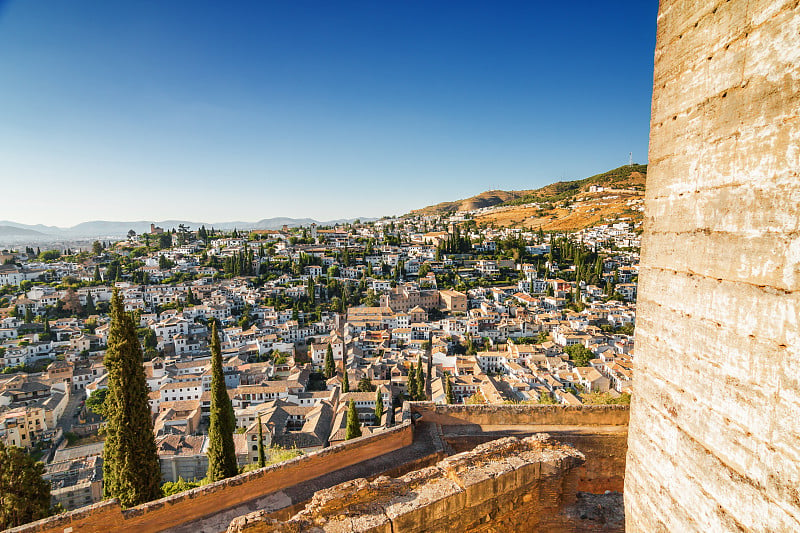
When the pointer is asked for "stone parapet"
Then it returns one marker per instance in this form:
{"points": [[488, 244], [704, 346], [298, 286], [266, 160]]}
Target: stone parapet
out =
{"points": [[509, 484]]}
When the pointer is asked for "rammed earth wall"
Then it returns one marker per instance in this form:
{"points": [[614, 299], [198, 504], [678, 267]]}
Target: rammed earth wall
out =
{"points": [[715, 434]]}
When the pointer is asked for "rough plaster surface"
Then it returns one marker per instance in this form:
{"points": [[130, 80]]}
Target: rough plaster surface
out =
{"points": [[714, 437], [508, 484]]}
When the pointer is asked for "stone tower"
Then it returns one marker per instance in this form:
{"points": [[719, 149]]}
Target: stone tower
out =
{"points": [[714, 439]]}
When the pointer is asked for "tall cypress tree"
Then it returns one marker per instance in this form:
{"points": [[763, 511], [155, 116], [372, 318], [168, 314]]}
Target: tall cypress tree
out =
{"points": [[262, 461], [420, 380], [221, 450], [131, 470], [411, 384], [378, 406], [429, 355], [353, 425], [329, 365], [345, 382], [448, 389]]}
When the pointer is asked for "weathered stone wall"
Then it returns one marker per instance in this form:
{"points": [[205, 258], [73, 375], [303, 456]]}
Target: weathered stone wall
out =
{"points": [[522, 415], [715, 433], [505, 485], [214, 498], [599, 432]]}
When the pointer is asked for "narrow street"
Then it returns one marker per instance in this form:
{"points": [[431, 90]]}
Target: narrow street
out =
{"points": [[67, 419]]}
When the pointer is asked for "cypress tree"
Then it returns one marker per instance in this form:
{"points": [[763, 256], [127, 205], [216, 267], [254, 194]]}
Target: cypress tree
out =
{"points": [[97, 277], [420, 380], [448, 389], [353, 426], [345, 382], [329, 368], [262, 461], [429, 355], [411, 384], [131, 470], [378, 406], [221, 450]]}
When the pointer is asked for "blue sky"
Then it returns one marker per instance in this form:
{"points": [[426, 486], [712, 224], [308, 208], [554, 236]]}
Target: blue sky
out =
{"points": [[220, 111]]}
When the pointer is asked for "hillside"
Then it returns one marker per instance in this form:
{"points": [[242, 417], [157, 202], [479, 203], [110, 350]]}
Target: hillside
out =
{"points": [[560, 206], [484, 199]]}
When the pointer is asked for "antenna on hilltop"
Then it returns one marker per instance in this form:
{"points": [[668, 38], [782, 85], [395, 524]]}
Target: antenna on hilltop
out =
{"points": [[630, 158]]}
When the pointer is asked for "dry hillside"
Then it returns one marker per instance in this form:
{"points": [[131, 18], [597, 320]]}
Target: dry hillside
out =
{"points": [[564, 206], [584, 210], [484, 199]]}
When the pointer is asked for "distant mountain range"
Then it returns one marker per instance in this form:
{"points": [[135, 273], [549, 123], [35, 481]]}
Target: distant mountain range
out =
{"points": [[15, 232]]}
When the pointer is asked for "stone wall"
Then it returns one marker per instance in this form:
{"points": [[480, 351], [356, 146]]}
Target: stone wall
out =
{"points": [[215, 498], [521, 415], [715, 433], [505, 485], [599, 432]]}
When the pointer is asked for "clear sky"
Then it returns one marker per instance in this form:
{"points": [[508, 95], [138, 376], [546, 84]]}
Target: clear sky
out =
{"points": [[215, 111]]}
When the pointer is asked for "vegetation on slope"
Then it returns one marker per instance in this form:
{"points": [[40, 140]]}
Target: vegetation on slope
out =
{"points": [[627, 176]]}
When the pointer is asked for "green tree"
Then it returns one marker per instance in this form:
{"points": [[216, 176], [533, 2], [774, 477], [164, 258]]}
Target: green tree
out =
{"points": [[131, 470], [345, 382], [365, 385], [310, 291], [174, 487], [96, 402], [164, 240], [24, 495], [329, 366], [353, 426], [420, 381], [97, 277], [448, 389], [545, 398], [378, 407], [411, 384], [428, 353], [221, 450], [89, 308], [262, 460], [580, 354]]}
